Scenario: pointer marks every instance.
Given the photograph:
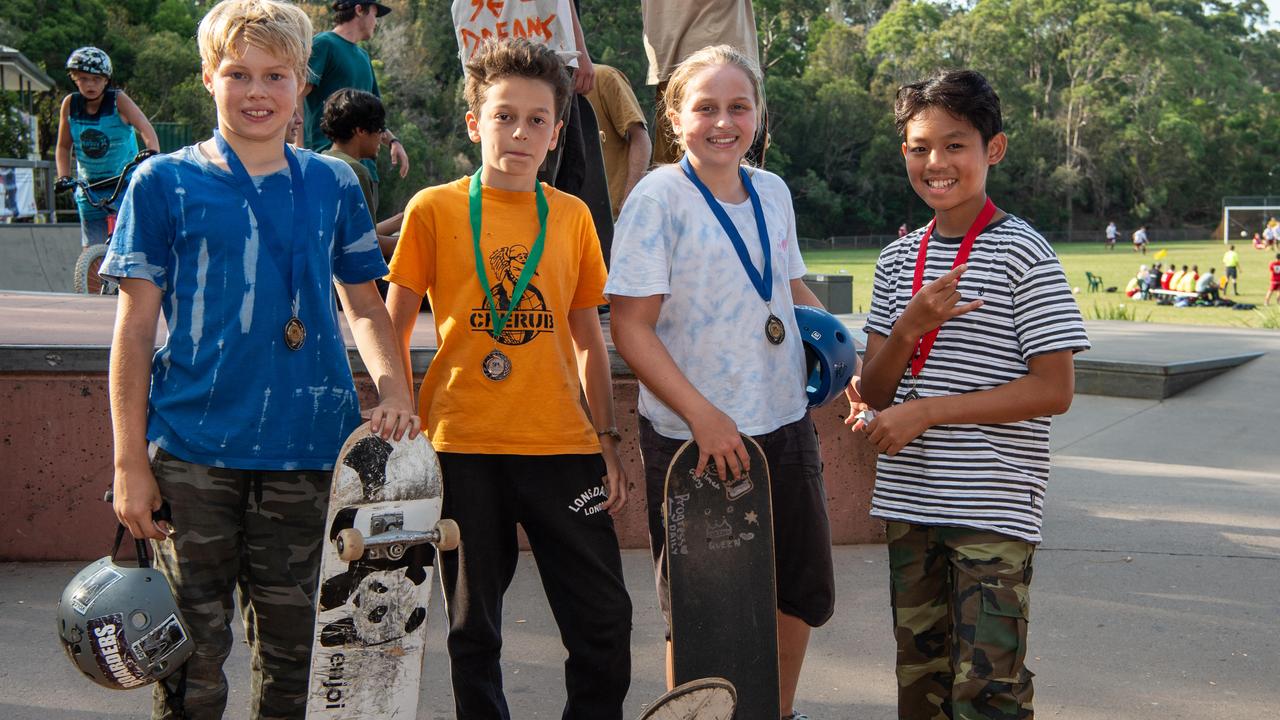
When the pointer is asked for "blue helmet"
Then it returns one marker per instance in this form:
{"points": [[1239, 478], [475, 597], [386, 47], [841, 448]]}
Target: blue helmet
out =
{"points": [[830, 355]]}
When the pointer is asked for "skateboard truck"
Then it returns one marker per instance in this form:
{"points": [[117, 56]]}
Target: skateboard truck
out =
{"points": [[388, 538]]}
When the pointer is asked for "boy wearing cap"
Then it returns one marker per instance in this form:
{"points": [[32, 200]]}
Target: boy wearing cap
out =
{"points": [[338, 62]]}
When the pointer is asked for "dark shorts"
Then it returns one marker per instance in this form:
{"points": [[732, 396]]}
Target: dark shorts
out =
{"points": [[1231, 273], [801, 532]]}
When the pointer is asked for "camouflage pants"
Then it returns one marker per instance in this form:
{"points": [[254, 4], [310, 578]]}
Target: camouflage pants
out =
{"points": [[960, 611], [257, 535]]}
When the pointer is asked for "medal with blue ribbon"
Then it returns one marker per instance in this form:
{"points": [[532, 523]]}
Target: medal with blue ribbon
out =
{"points": [[292, 272], [774, 331]]}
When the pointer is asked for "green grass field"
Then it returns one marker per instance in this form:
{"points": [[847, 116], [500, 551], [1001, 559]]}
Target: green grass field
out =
{"points": [[1115, 267]]}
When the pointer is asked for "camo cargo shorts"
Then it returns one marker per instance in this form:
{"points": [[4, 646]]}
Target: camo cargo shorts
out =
{"points": [[960, 612], [257, 535]]}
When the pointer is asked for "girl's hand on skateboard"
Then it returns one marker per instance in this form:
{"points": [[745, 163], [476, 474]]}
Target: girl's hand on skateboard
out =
{"points": [[615, 476], [856, 406], [137, 496], [394, 417], [936, 303], [895, 427], [718, 440]]}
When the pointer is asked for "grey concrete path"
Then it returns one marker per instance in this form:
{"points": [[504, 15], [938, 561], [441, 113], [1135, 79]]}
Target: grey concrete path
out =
{"points": [[1157, 591]]}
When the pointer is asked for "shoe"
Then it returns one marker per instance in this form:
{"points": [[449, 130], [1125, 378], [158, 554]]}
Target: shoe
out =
{"points": [[795, 716]]}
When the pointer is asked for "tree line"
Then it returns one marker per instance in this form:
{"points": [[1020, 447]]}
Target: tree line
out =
{"points": [[1141, 112]]}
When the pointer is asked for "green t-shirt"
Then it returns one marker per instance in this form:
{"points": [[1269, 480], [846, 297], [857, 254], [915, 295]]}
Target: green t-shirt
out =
{"points": [[368, 185], [335, 63]]}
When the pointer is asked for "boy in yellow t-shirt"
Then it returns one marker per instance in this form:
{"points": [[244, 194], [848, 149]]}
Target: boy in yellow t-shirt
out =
{"points": [[515, 274]]}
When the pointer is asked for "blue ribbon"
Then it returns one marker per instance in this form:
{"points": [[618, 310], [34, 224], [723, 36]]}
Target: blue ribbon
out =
{"points": [[762, 282], [292, 274]]}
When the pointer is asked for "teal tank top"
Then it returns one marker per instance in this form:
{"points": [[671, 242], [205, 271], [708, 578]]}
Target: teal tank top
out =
{"points": [[103, 143]]}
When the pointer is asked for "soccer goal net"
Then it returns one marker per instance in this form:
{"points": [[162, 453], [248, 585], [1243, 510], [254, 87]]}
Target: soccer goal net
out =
{"points": [[1245, 216]]}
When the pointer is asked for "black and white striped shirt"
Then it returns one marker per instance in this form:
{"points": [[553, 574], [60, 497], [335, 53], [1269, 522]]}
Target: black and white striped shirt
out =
{"points": [[990, 477]]}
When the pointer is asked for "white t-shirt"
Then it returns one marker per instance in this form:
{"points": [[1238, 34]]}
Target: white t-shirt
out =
{"points": [[1111, 231], [549, 22], [1140, 237], [668, 242]]}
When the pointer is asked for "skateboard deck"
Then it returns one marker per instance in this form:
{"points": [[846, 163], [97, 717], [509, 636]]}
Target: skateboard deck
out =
{"points": [[375, 578], [705, 699], [721, 571]]}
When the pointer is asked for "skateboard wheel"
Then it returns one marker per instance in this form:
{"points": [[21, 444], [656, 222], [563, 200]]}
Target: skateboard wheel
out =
{"points": [[350, 544], [449, 534]]}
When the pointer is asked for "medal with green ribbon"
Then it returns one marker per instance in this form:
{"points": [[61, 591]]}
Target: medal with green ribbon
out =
{"points": [[496, 365]]}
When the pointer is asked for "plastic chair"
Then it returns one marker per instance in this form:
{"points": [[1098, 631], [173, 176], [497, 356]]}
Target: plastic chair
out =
{"points": [[1095, 282]]}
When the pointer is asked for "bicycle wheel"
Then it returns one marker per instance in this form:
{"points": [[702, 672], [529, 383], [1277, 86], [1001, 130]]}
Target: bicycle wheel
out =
{"points": [[86, 280]]}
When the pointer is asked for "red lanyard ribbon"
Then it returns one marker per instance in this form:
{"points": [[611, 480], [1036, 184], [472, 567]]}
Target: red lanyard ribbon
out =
{"points": [[925, 344]]}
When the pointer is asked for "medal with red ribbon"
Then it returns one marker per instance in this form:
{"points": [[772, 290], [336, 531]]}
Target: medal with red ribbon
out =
{"points": [[925, 344]]}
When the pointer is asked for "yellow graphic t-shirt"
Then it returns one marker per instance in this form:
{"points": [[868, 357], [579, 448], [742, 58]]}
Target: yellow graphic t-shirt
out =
{"points": [[537, 409]]}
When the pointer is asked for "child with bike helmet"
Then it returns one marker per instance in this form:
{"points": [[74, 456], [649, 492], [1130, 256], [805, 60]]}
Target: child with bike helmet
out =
{"points": [[97, 124]]}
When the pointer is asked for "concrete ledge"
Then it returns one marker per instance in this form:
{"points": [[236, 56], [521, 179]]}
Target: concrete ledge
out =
{"points": [[56, 458], [1150, 380]]}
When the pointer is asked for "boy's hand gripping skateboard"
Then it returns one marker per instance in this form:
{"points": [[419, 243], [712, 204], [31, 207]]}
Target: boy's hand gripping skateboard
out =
{"points": [[720, 565], [375, 578]]}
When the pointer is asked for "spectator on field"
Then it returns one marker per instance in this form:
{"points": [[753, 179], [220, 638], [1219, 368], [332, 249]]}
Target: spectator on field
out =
{"points": [[1207, 286]]}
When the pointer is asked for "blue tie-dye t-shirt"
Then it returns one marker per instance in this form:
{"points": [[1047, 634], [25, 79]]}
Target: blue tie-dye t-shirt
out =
{"points": [[225, 389], [668, 242]]}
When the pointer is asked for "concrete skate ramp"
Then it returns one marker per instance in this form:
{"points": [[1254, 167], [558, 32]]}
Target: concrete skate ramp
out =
{"points": [[38, 258]]}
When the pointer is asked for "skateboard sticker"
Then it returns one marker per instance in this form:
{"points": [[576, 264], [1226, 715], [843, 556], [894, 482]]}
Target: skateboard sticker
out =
{"points": [[157, 645], [368, 458], [111, 651], [92, 588]]}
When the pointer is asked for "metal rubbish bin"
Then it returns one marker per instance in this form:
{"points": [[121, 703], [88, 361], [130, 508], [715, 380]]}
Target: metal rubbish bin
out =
{"points": [[834, 291]]}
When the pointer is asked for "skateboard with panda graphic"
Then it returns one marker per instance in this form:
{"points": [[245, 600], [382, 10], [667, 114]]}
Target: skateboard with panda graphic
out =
{"points": [[722, 581], [375, 578]]}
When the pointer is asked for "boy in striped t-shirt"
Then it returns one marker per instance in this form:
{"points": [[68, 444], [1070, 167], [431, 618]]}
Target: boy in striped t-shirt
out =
{"points": [[969, 351]]}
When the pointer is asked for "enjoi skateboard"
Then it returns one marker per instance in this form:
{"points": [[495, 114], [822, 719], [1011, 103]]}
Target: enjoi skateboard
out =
{"points": [[375, 578], [721, 571]]}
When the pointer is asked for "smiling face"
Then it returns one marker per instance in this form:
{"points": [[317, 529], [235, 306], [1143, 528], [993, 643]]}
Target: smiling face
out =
{"points": [[515, 126], [717, 118], [947, 162], [91, 86], [256, 95]]}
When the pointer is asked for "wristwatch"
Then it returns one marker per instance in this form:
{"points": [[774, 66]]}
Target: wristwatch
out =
{"points": [[611, 431]]}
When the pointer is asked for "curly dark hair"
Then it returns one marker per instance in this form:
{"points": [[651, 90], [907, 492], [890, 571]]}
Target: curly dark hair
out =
{"points": [[965, 94], [515, 57], [348, 110]]}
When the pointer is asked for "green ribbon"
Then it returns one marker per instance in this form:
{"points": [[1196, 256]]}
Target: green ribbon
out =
{"points": [[531, 264]]}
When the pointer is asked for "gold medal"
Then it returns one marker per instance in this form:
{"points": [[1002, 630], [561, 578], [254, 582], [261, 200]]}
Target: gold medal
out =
{"points": [[774, 331], [496, 366], [295, 333]]}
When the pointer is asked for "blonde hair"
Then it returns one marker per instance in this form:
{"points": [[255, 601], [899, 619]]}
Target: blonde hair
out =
{"points": [[232, 26], [712, 56]]}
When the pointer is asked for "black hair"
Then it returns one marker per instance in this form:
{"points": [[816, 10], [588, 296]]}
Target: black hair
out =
{"points": [[348, 110], [965, 94]]}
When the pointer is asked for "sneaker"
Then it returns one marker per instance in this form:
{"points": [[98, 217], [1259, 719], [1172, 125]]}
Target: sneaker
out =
{"points": [[795, 716]]}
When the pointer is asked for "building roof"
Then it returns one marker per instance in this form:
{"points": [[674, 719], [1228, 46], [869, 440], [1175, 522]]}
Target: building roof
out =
{"points": [[18, 73]]}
